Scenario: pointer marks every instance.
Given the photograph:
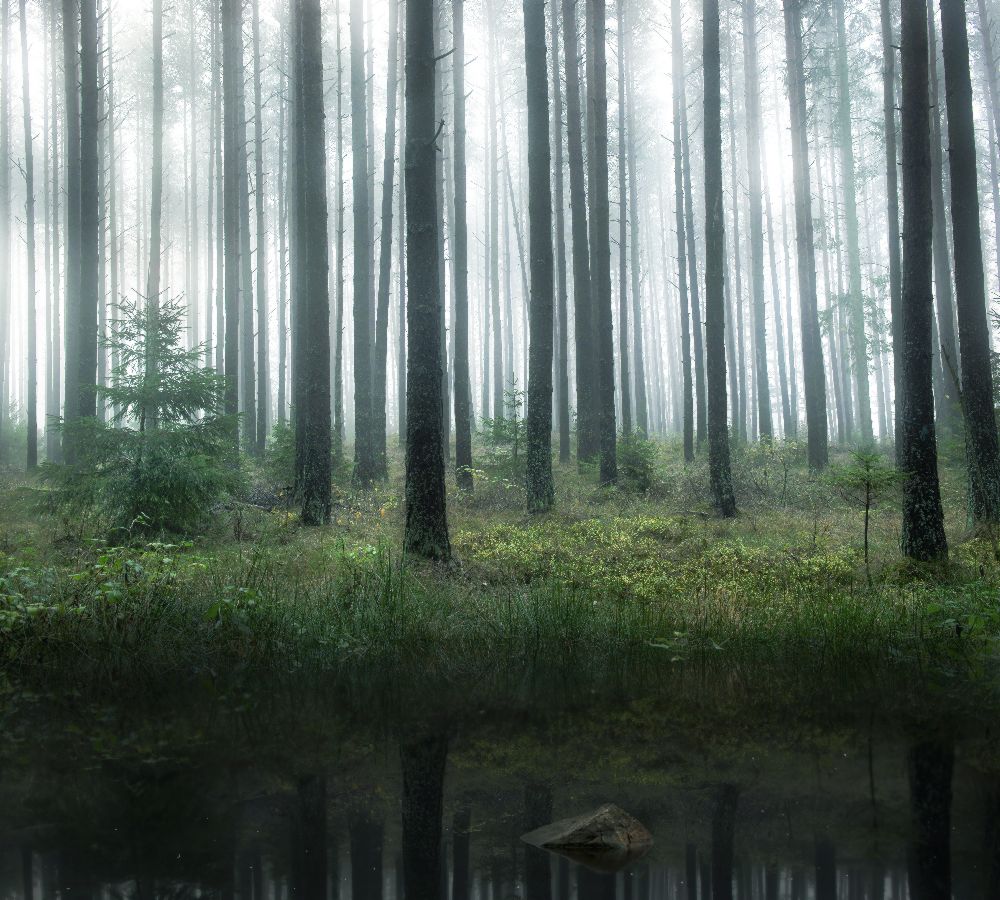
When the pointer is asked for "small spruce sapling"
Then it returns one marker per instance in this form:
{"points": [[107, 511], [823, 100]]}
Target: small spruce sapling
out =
{"points": [[864, 481]]}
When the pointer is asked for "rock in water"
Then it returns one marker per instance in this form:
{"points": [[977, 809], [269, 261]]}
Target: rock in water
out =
{"points": [[606, 838]]}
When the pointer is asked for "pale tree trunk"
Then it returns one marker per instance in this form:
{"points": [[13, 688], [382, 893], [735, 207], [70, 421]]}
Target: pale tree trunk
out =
{"points": [[29, 222], [562, 297], [260, 205], [814, 375]]}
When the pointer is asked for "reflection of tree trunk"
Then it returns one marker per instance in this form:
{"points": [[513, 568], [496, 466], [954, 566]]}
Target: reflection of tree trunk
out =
{"points": [[826, 870], [563, 879], [460, 854], [423, 763], [706, 879], [537, 812], [930, 765], [366, 856], [723, 836], [310, 840], [691, 871], [991, 844], [591, 885]]}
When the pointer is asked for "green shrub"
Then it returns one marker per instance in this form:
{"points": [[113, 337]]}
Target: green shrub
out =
{"points": [[637, 458], [166, 457]]}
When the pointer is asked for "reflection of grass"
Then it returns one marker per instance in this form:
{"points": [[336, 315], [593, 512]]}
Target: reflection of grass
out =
{"points": [[609, 580]]}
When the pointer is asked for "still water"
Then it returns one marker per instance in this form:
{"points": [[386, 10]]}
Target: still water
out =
{"points": [[321, 791]]}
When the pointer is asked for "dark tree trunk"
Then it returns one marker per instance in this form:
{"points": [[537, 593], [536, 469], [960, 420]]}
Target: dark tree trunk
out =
{"points": [[338, 338], [715, 261], [423, 761], [597, 125], [426, 518], [463, 383], [825, 860], [751, 86], [282, 246], [562, 296], [232, 74], [923, 519], [625, 375], [677, 78], [71, 359], [583, 307], [55, 373], [930, 764], [364, 461], [29, 221], [248, 367], [312, 311], [540, 489], [892, 191], [381, 361], [973, 327], [814, 376]]}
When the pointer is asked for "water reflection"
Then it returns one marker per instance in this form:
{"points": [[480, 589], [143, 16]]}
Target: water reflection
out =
{"points": [[242, 805]]}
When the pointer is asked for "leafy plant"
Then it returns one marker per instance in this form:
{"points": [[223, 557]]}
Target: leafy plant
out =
{"points": [[165, 457], [505, 434], [636, 462]]}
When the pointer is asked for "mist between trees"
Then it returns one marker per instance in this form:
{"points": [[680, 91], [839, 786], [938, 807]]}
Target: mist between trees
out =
{"points": [[567, 227]]}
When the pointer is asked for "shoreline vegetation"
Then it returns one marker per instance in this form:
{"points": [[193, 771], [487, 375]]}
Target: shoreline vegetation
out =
{"points": [[638, 578]]}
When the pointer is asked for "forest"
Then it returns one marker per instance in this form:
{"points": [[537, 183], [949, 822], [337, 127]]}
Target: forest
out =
{"points": [[499, 449]]}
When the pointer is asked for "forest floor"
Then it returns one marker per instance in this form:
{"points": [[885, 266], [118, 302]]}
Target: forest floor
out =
{"points": [[626, 579]]}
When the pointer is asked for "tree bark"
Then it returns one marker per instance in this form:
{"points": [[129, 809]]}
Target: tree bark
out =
{"points": [[260, 205], [463, 383], [715, 261], [923, 520], [982, 450], [624, 369], [597, 125], [232, 74], [426, 532], [364, 461], [562, 296], [677, 78], [540, 488], [814, 376], [380, 363], [583, 307], [312, 313]]}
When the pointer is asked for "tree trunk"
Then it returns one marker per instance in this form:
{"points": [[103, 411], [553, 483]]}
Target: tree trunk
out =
{"points": [[248, 368], [638, 356], [260, 205], [426, 531], [312, 312], [891, 191], [5, 209], [71, 357], [232, 74], [89, 211], [338, 357], [923, 519], [723, 836], [751, 84], [282, 245], [380, 363], [814, 376], [29, 221], [930, 765], [597, 125], [970, 287], [677, 79], [364, 461], [583, 307], [625, 376], [562, 296], [859, 342], [715, 261], [151, 415], [540, 489], [52, 406]]}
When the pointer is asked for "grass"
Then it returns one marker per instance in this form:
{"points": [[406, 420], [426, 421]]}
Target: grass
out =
{"points": [[611, 586]]}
